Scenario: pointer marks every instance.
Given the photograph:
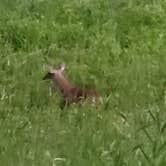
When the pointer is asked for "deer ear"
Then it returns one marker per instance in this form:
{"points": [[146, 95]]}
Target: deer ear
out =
{"points": [[62, 67], [51, 69]]}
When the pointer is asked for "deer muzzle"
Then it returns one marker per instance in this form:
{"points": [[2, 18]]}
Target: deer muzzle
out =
{"points": [[48, 76]]}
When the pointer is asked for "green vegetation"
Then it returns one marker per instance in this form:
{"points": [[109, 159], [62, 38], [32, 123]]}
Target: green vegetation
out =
{"points": [[117, 46]]}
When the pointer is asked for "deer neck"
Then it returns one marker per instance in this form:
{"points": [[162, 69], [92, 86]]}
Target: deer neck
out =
{"points": [[62, 83]]}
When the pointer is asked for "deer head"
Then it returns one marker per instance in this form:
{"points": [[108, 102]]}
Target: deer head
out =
{"points": [[54, 71]]}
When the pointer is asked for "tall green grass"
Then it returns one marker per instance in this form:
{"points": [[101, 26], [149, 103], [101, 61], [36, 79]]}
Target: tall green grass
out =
{"points": [[117, 47]]}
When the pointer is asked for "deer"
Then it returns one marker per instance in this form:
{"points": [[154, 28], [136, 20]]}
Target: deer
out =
{"points": [[70, 93]]}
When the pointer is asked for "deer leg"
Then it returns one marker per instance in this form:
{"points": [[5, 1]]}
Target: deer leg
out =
{"points": [[64, 103]]}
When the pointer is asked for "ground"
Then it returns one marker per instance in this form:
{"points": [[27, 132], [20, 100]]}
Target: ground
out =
{"points": [[118, 47]]}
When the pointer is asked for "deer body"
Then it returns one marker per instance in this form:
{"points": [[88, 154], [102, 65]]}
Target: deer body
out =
{"points": [[70, 93]]}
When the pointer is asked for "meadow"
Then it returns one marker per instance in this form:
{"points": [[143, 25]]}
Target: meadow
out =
{"points": [[116, 46]]}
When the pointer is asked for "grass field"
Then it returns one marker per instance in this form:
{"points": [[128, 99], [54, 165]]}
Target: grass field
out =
{"points": [[117, 46]]}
